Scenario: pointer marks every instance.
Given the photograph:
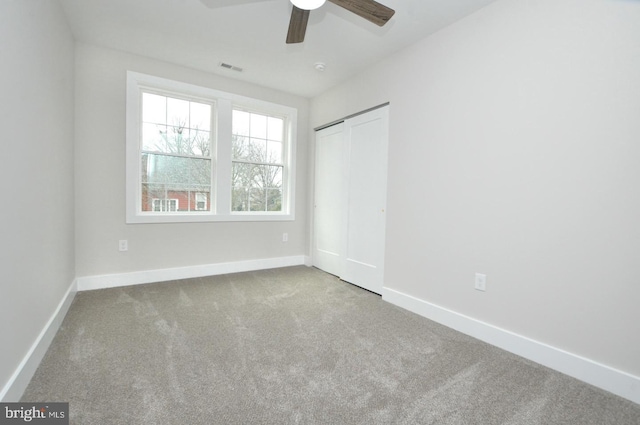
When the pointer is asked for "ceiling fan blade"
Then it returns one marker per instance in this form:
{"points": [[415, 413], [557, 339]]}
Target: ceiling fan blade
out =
{"points": [[370, 10], [297, 25]]}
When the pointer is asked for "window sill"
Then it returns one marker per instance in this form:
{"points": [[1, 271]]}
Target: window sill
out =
{"points": [[151, 218]]}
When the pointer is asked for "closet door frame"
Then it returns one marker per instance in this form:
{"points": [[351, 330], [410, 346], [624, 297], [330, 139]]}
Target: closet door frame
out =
{"points": [[360, 258]]}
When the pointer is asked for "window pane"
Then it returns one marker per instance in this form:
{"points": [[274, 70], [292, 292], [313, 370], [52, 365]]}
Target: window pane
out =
{"points": [[258, 126], [200, 143], [178, 140], [154, 137], [239, 199], [240, 147], [274, 200], [153, 197], [164, 169], [177, 112], [257, 199], [240, 123], [154, 108], [268, 176], [242, 175], [200, 117], [200, 172], [258, 150], [274, 152], [252, 184], [275, 127]]}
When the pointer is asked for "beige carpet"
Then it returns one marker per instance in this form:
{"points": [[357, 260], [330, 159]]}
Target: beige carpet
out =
{"points": [[292, 346]]}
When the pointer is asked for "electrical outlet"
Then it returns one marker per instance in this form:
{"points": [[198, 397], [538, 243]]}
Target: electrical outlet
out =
{"points": [[123, 245], [285, 237], [481, 282]]}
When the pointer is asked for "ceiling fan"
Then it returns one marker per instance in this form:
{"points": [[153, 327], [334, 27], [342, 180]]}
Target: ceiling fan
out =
{"points": [[370, 10]]}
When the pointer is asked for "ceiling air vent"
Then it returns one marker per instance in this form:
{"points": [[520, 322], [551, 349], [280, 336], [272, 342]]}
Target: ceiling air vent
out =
{"points": [[231, 67]]}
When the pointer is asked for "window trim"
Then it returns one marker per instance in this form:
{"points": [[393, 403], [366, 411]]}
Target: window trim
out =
{"points": [[220, 195]]}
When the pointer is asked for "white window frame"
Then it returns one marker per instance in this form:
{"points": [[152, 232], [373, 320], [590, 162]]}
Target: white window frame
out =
{"points": [[220, 195], [174, 201], [201, 195]]}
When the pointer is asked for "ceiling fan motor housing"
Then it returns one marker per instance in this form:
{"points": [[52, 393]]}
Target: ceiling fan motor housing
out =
{"points": [[308, 4]]}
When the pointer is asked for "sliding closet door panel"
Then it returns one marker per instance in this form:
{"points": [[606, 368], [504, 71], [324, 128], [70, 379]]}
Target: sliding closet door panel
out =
{"points": [[330, 194], [367, 188]]}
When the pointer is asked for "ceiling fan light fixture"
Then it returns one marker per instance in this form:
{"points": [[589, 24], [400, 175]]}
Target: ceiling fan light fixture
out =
{"points": [[307, 4]]}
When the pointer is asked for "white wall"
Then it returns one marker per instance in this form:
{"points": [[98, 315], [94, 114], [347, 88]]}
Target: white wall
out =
{"points": [[515, 152], [100, 179], [36, 218]]}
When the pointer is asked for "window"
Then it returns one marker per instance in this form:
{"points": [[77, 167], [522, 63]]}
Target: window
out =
{"points": [[165, 205], [257, 162], [201, 201], [197, 154]]}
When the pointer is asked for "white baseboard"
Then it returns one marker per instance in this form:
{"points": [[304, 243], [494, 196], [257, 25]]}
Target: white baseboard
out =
{"points": [[607, 378], [18, 382], [88, 283]]}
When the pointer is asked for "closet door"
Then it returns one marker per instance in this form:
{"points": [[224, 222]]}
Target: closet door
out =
{"points": [[350, 199], [330, 191], [367, 136]]}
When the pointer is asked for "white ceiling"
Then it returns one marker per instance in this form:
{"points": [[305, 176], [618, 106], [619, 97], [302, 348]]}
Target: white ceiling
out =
{"points": [[251, 34]]}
